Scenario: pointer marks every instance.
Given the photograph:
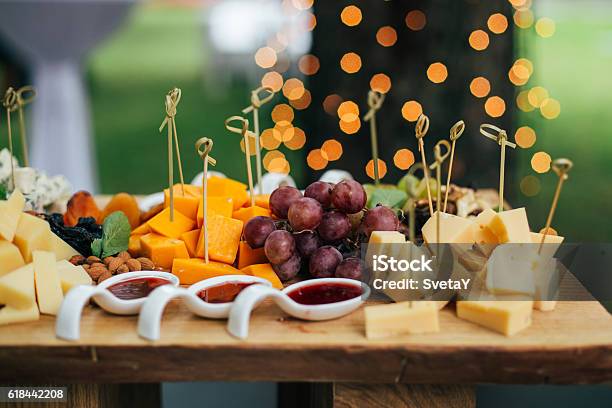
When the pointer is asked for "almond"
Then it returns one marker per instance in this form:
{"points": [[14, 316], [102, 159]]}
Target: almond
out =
{"points": [[108, 260], [93, 259], [98, 265], [115, 264], [125, 255], [77, 260], [123, 269], [96, 272], [133, 265], [146, 264], [104, 276]]}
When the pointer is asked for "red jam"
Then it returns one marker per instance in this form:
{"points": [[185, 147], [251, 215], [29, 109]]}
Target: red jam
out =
{"points": [[323, 293], [136, 288], [223, 293]]}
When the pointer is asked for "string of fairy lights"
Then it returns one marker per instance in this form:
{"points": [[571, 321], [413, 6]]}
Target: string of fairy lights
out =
{"points": [[272, 58]]}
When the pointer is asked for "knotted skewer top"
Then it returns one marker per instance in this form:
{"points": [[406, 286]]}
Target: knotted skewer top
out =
{"points": [[257, 101], [439, 157], [421, 128], [375, 101], [500, 135], [561, 167], [173, 97], [457, 130], [203, 147], [9, 101]]}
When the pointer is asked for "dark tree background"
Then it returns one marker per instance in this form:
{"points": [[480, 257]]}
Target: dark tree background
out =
{"points": [[443, 39]]}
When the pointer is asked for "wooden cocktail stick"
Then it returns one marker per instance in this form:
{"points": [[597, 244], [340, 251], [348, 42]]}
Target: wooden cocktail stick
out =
{"points": [[501, 137], [422, 126], [375, 101], [455, 133], [244, 131], [10, 104], [561, 167], [437, 165], [21, 101], [203, 147]]}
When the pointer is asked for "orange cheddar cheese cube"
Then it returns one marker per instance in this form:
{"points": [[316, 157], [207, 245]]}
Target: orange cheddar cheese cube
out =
{"points": [[223, 238], [215, 205], [162, 250], [262, 200], [186, 205], [134, 245], [249, 256], [162, 225], [190, 191], [264, 271], [246, 213], [141, 230], [193, 270], [224, 187], [190, 239]]}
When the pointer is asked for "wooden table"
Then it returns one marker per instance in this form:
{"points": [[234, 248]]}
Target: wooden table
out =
{"points": [[572, 344]]}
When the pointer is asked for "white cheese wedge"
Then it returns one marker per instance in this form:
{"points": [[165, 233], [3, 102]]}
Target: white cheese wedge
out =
{"points": [[48, 286], [482, 231], [551, 243], [17, 288], [9, 214], [61, 249], [510, 270], [32, 234], [511, 226], [10, 257], [386, 237], [72, 275], [507, 317], [9, 314], [453, 229], [401, 318], [383, 243]]}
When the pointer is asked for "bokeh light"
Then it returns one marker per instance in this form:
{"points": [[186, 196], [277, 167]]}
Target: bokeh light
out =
{"points": [[403, 159], [530, 186], [331, 103], [271, 155], [273, 80], [545, 27], [350, 128], [293, 89], [497, 23], [265, 57], [251, 138], [279, 165], [386, 36], [537, 95], [309, 64], [416, 20], [351, 15], [348, 111], [350, 63], [311, 21], [285, 130], [525, 137], [479, 40], [282, 114], [437, 72], [550, 108], [411, 110], [268, 140], [303, 102], [316, 160], [298, 140], [540, 162], [332, 149], [380, 83], [522, 101], [382, 169], [523, 18], [495, 106], [302, 4], [480, 87]]}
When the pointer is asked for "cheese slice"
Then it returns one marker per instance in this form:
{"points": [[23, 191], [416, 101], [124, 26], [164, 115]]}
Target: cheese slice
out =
{"points": [[48, 285], [71, 275], [32, 234], [9, 214], [61, 249], [511, 226], [17, 288], [9, 314], [10, 257], [482, 230], [505, 316], [545, 305], [401, 318], [453, 229]]}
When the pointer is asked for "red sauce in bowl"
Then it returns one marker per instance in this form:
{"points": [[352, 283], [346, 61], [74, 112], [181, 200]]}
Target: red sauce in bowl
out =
{"points": [[324, 293], [136, 288], [224, 292]]}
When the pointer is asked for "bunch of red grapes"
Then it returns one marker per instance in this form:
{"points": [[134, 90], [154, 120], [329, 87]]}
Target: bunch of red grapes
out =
{"points": [[319, 222]]}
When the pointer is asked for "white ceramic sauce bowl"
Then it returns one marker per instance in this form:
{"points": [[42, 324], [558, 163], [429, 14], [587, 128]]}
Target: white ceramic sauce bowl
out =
{"points": [[67, 325], [149, 320], [250, 297]]}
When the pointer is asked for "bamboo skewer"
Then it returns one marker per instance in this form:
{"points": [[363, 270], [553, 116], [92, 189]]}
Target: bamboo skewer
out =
{"points": [[561, 167], [437, 165], [422, 126], [375, 101], [455, 133], [501, 137], [21, 101], [173, 97], [203, 147], [244, 131], [10, 104]]}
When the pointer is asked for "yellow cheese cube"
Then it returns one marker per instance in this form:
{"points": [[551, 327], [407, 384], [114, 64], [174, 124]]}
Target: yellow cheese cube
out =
{"points": [[9, 314], [265, 271], [186, 205], [162, 250], [10, 257], [48, 286], [61, 249], [413, 317], [507, 316], [162, 225], [453, 229], [190, 238], [193, 270], [32, 234], [386, 237], [511, 226], [224, 187], [223, 238], [246, 213], [215, 205], [9, 214], [190, 191], [17, 288], [482, 232], [141, 230], [72, 275]]}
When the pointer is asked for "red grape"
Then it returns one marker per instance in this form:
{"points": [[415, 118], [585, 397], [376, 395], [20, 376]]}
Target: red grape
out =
{"points": [[305, 214], [379, 218], [306, 242], [349, 196], [334, 226], [323, 262], [282, 198], [350, 268], [288, 269], [320, 191], [257, 229], [279, 246]]}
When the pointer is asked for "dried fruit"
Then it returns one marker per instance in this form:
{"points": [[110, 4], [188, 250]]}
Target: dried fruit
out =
{"points": [[81, 205], [133, 265], [126, 204], [123, 269], [146, 264], [115, 264], [77, 260], [104, 276], [93, 259]]}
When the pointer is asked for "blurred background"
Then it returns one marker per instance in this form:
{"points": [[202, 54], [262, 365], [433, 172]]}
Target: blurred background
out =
{"points": [[537, 68]]}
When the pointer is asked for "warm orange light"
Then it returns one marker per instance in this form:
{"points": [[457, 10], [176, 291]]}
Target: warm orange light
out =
{"points": [[495, 106], [411, 110], [316, 160], [293, 89], [350, 63], [269, 140], [332, 149], [540, 162], [480, 87], [523, 18], [302, 4], [331, 103], [550, 108], [437, 72], [350, 128], [271, 155], [517, 3], [303, 102], [497, 23], [380, 83], [309, 64], [522, 101], [479, 40], [351, 15], [525, 63], [416, 20], [348, 111], [537, 95], [285, 130], [279, 165], [265, 57], [403, 159], [251, 138], [545, 27], [530, 186], [386, 36], [273, 80], [311, 21], [382, 169], [298, 140], [518, 75], [525, 137], [282, 113]]}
